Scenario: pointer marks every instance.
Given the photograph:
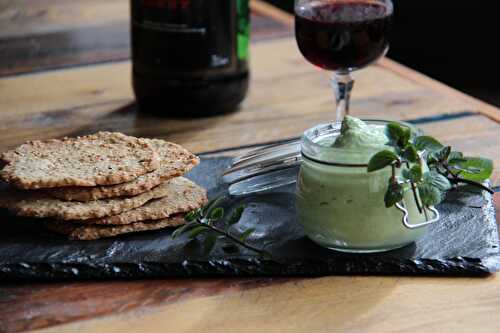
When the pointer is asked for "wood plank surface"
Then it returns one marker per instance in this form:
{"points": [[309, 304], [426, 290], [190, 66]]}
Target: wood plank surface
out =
{"points": [[330, 304], [79, 300], [285, 89], [49, 34], [406, 72], [287, 96]]}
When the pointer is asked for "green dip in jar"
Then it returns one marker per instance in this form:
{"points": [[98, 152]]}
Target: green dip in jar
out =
{"points": [[341, 205]]}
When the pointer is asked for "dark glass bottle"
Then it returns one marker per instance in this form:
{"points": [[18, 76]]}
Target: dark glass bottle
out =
{"points": [[190, 57]]}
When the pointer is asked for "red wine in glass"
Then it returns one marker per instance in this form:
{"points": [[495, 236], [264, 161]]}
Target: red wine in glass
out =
{"points": [[343, 35]]}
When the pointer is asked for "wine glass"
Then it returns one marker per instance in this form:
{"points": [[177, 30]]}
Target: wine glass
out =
{"points": [[335, 35], [343, 36]]}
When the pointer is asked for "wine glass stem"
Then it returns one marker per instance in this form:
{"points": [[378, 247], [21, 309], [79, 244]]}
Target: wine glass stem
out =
{"points": [[342, 84]]}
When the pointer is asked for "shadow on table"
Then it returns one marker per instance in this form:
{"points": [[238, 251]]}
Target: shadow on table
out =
{"points": [[128, 119]]}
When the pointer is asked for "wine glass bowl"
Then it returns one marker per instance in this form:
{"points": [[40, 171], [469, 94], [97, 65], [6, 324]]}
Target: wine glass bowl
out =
{"points": [[343, 36]]}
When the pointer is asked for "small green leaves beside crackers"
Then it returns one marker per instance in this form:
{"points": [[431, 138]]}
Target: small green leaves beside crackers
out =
{"points": [[202, 223], [427, 164]]}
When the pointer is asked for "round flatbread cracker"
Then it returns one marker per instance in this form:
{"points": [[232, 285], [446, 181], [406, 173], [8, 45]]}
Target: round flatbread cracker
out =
{"points": [[182, 195], [174, 162], [36, 204], [104, 158], [93, 232]]}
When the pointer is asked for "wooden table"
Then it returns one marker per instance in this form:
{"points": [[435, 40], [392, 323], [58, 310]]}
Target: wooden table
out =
{"points": [[65, 72]]}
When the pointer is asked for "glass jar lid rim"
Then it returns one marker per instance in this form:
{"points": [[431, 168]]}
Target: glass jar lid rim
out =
{"points": [[277, 165], [336, 126]]}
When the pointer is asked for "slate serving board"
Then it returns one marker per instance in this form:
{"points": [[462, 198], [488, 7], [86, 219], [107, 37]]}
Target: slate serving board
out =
{"points": [[464, 243]]}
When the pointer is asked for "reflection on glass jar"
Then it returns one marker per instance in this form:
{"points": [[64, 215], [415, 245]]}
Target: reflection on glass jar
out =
{"points": [[341, 205]]}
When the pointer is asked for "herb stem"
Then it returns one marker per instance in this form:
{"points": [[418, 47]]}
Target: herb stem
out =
{"points": [[231, 237], [457, 179], [415, 195], [414, 187], [393, 170], [448, 170], [425, 213]]}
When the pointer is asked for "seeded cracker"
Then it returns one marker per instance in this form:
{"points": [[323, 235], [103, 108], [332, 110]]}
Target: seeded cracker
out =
{"points": [[174, 162], [36, 204], [104, 158], [182, 196], [93, 232]]}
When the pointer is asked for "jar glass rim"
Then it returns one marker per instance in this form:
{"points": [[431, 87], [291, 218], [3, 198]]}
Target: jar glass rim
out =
{"points": [[313, 149]]}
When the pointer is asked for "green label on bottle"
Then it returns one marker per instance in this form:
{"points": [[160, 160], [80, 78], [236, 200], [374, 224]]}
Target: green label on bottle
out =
{"points": [[243, 31]]}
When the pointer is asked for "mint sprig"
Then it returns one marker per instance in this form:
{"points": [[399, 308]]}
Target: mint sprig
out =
{"points": [[201, 225], [446, 168], [381, 160]]}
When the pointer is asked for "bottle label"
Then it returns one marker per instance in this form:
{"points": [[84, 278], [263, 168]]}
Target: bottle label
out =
{"points": [[183, 38], [243, 30]]}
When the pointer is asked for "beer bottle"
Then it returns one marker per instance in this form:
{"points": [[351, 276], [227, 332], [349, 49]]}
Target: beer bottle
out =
{"points": [[190, 57]]}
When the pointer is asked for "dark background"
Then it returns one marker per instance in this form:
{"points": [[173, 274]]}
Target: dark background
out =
{"points": [[456, 42]]}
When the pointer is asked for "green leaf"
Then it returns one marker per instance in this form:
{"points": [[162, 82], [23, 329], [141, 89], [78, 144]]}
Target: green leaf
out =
{"points": [[398, 134], [440, 156], [431, 160], [393, 131], [405, 138], [195, 232], [217, 214], [192, 215], [428, 143], [443, 154], [430, 195], [246, 234], [414, 174], [236, 216], [186, 227], [455, 158], [211, 205], [437, 180], [476, 168], [433, 188], [209, 243], [393, 195], [381, 159], [410, 154], [470, 169]]}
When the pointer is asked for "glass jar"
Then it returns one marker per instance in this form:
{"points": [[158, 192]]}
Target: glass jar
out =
{"points": [[341, 205]]}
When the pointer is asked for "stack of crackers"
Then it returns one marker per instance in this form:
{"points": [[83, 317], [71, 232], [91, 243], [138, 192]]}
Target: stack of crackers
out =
{"points": [[100, 185]]}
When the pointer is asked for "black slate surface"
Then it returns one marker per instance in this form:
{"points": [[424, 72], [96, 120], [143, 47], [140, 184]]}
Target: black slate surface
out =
{"points": [[464, 243]]}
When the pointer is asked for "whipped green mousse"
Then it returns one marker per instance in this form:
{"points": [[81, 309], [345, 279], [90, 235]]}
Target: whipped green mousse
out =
{"points": [[341, 205], [358, 135]]}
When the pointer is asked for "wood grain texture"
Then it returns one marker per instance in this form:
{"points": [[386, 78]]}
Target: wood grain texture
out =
{"points": [[285, 89], [406, 72], [50, 34], [481, 106], [81, 300], [331, 304], [477, 135], [22, 18]]}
